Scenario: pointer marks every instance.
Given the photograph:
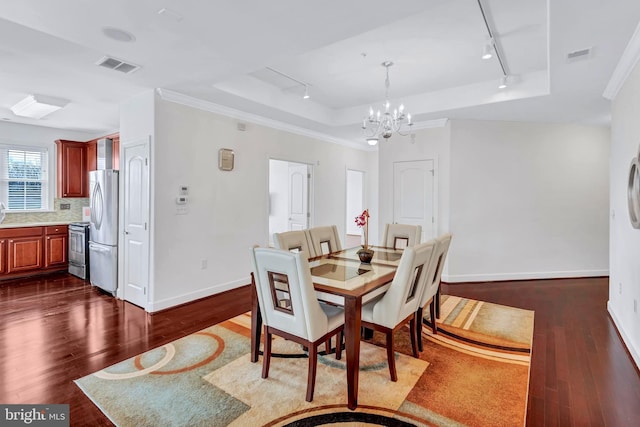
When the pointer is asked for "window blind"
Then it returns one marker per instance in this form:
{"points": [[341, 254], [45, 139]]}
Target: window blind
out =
{"points": [[24, 177]]}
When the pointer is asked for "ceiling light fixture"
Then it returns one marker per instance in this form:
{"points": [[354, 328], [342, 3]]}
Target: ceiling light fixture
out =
{"points": [[385, 124], [38, 106], [306, 85], [494, 48]]}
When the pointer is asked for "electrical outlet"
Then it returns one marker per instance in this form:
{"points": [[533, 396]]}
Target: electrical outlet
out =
{"points": [[65, 206]]}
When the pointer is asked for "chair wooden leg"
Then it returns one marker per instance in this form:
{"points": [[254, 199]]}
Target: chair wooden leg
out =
{"points": [[311, 377], [419, 324], [414, 336], [391, 359], [266, 354], [432, 312], [437, 298], [339, 344], [327, 346]]}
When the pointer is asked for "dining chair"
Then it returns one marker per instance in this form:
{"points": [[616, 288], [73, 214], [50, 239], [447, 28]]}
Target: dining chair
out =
{"points": [[295, 241], [325, 239], [398, 236], [432, 287], [305, 321], [397, 307]]}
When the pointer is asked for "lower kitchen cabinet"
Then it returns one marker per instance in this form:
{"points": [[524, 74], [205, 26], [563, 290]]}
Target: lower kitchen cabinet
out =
{"points": [[56, 244], [32, 250]]}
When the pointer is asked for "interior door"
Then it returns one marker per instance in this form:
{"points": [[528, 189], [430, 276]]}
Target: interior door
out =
{"points": [[413, 195], [298, 196], [136, 222]]}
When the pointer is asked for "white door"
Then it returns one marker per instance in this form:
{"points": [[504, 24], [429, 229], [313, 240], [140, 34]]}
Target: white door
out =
{"points": [[136, 221], [413, 196], [298, 196]]}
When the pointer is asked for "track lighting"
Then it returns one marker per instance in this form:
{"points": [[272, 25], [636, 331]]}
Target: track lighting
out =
{"points": [[306, 92], [503, 82]]}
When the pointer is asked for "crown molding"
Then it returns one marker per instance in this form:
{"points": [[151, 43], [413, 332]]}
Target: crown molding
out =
{"points": [[628, 61], [178, 98]]}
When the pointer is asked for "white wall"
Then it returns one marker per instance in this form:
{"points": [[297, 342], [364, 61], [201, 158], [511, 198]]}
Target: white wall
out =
{"points": [[528, 201], [624, 280], [228, 210]]}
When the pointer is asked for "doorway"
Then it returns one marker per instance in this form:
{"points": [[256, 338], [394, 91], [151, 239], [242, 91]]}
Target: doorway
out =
{"points": [[414, 195], [355, 206], [289, 200]]}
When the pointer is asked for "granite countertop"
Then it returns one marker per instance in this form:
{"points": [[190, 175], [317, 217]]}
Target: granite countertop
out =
{"points": [[36, 224]]}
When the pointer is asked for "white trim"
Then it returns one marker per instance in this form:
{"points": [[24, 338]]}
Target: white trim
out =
{"points": [[178, 98], [625, 339], [153, 306], [627, 62], [497, 277]]}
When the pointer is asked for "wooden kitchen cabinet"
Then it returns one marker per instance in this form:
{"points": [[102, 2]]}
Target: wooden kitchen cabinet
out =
{"points": [[73, 174], [56, 243], [26, 251], [92, 152]]}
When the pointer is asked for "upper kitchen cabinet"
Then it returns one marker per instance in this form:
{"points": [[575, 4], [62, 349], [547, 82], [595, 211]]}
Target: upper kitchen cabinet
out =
{"points": [[92, 152], [73, 176]]}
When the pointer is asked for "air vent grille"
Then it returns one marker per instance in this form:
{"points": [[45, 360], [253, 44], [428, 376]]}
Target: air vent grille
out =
{"points": [[579, 54], [118, 65]]}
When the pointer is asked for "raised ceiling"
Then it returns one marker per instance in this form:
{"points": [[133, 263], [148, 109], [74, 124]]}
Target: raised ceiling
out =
{"points": [[224, 52]]}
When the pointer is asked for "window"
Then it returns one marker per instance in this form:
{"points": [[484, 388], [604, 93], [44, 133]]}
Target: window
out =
{"points": [[24, 178]]}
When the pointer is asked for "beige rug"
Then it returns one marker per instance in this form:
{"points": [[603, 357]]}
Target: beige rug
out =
{"points": [[473, 372]]}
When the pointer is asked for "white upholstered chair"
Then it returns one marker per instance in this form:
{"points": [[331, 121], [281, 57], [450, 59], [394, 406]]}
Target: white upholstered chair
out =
{"points": [[432, 286], [296, 240], [399, 236], [388, 312], [325, 239], [305, 321]]}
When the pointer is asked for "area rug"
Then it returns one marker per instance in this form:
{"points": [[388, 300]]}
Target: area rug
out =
{"points": [[474, 372]]}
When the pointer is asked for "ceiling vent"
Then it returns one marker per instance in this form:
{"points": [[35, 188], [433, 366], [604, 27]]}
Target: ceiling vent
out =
{"points": [[118, 65], [577, 55]]}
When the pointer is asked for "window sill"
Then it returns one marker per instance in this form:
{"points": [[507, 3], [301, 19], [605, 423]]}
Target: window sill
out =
{"points": [[33, 211]]}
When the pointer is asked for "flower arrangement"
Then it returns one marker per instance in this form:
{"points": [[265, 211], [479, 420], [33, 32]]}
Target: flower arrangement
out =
{"points": [[362, 221]]}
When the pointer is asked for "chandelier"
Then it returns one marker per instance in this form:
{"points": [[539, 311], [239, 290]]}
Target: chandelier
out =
{"points": [[385, 123]]}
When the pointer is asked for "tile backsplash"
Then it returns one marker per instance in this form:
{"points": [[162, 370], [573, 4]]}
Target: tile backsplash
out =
{"points": [[74, 213]]}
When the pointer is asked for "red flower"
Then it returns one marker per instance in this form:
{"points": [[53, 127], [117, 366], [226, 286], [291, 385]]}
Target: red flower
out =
{"points": [[361, 220]]}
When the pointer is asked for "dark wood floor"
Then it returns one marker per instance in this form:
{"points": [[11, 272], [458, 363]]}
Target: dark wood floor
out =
{"points": [[58, 328]]}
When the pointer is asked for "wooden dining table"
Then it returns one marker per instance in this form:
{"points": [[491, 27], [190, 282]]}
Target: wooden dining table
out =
{"points": [[341, 275]]}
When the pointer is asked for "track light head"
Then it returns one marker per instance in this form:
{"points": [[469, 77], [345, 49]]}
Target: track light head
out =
{"points": [[487, 50], [503, 82], [306, 92]]}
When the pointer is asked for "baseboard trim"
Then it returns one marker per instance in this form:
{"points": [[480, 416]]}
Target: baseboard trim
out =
{"points": [[192, 296], [635, 355], [501, 277]]}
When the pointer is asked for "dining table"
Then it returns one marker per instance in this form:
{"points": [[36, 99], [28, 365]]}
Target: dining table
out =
{"points": [[342, 278]]}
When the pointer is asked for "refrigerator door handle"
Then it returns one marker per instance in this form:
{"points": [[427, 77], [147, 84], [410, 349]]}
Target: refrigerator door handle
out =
{"points": [[97, 248], [97, 206]]}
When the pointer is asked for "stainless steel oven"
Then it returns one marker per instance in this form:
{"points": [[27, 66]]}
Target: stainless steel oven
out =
{"points": [[79, 249]]}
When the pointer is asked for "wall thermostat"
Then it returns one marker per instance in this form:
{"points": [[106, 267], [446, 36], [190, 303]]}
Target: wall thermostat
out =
{"points": [[225, 159]]}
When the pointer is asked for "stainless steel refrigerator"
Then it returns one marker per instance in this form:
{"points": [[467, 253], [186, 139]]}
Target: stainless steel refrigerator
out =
{"points": [[103, 244]]}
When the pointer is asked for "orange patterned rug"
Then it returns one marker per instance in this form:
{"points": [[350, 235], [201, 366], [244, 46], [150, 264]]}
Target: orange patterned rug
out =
{"points": [[474, 372]]}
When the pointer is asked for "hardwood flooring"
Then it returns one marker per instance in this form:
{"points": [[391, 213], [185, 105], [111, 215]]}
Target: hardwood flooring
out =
{"points": [[57, 328]]}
